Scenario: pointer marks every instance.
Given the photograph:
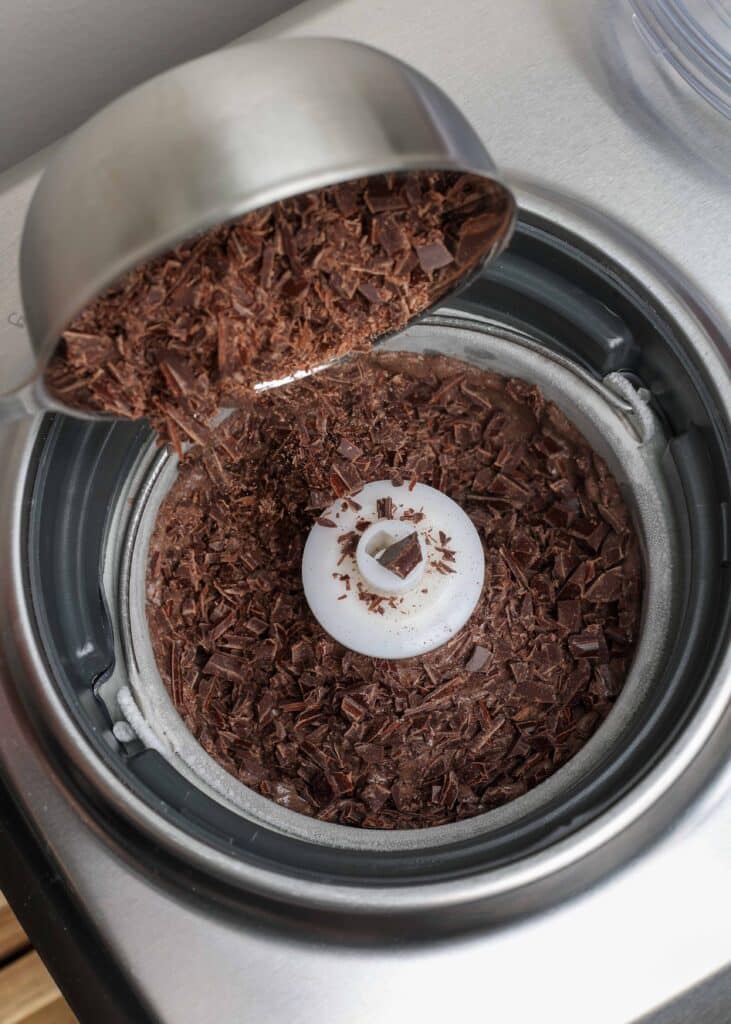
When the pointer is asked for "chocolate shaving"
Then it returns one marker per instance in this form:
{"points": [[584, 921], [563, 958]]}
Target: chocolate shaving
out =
{"points": [[348, 450]]}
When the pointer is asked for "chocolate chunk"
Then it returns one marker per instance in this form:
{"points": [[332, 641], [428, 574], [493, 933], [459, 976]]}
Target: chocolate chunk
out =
{"points": [[433, 256], [346, 199], [389, 234], [403, 556], [478, 659], [569, 615], [391, 744], [606, 587], [373, 294], [380, 196], [353, 709], [226, 666], [84, 349], [588, 645]]}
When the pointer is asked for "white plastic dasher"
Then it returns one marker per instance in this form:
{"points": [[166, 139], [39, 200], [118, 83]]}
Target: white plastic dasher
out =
{"points": [[368, 607]]}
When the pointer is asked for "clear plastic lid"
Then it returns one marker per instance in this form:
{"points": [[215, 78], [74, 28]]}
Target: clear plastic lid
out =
{"points": [[694, 37]]}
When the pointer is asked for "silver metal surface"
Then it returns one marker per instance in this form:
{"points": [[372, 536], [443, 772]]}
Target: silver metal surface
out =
{"points": [[111, 47], [218, 137], [544, 83], [605, 420]]}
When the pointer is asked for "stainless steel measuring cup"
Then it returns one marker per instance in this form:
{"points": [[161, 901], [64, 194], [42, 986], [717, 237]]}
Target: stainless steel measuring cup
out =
{"points": [[209, 141]]}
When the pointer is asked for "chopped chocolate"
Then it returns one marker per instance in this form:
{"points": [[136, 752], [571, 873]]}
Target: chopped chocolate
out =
{"points": [[393, 744], [279, 290], [403, 556]]}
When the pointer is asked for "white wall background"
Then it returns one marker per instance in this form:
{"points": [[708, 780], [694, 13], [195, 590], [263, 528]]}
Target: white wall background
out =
{"points": [[60, 60]]}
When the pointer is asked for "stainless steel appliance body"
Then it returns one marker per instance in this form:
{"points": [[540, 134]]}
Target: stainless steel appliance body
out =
{"points": [[613, 912]]}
